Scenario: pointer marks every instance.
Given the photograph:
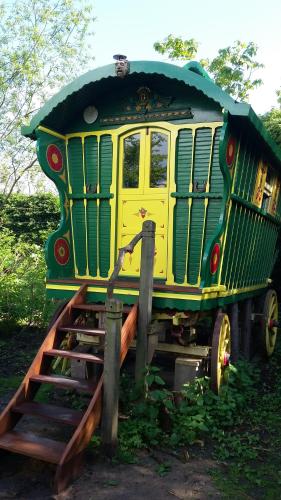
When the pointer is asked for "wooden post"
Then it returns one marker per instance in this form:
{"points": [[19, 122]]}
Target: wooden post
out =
{"points": [[113, 326], [145, 296], [234, 332]]}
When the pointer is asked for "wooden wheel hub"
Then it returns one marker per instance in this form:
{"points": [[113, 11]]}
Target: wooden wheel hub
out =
{"points": [[220, 351]]}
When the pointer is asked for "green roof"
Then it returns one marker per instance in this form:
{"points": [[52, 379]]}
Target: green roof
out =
{"points": [[192, 74]]}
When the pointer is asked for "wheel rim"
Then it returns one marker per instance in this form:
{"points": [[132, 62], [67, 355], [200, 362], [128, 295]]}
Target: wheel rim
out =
{"points": [[221, 349], [270, 317]]}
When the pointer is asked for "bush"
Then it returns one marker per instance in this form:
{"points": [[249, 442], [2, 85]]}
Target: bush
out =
{"points": [[22, 282], [32, 218]]}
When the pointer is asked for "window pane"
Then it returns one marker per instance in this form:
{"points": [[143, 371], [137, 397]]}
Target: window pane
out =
{"points": [[158, 162], [131, 161]]}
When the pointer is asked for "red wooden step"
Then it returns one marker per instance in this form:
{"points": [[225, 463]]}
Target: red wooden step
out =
{"points": [[33, 446], [65, 382], [50, 412], [98, 308], [83, 329], [74, 355]]}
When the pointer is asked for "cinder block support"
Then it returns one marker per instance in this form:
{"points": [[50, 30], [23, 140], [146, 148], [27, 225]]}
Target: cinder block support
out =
{"points": [[113, 326], [186, 370]]}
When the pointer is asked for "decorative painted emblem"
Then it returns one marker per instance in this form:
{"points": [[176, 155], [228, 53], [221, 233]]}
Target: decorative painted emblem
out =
{"points": [[215, 258], [61, 251], [230, 151], [142, 212], [54, 158], [147, 105]]}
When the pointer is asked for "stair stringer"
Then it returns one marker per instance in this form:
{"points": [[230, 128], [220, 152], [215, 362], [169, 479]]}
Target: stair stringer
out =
{"points": [[70, 462], [26, 390]]}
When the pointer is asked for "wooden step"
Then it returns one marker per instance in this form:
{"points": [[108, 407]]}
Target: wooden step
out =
{"points": [[65, 382], [94, 332], [50, 412], [98, 308], [33, 446], [74, 355]]}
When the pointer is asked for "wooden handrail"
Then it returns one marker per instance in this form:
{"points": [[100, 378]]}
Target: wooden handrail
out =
{"points": [[119, 263]]}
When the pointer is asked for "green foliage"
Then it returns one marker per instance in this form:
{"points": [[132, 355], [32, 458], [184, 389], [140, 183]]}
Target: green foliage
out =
{"points": [[162, 419], [272, 120], [22, 282], [232, 69], [31, 218], [43, 45], [177, 48]]}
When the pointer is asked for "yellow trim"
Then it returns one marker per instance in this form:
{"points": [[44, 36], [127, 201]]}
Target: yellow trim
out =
{"points": [[51, 132], [171, 205], [224, 241], [212, 294], [260, 183], [73, 242], [85, 204], [113, 205], [125, 128], [98, 208], [116, 134]]}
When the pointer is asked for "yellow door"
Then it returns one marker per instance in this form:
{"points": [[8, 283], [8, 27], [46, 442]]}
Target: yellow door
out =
{"points": [[143, 194]]}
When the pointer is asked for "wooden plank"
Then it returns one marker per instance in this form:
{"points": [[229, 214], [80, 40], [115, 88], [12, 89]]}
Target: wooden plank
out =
{"points": [[74, 355], [196, 351], [83, 329], [50, 412], [113, 327], [69, 463], [99, 308], [145, 296], [65, 382], [32, 446]]}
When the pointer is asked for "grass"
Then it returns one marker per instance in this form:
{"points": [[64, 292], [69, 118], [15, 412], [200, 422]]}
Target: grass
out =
{"points": [[249, 456]]}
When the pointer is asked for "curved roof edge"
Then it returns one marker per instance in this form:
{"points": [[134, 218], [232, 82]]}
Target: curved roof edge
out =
{"points": [[188, 76], [197, 68], [192, 74]]}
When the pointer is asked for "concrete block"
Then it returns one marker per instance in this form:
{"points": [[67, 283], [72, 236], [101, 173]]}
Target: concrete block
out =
{"points": [[186, 370]]}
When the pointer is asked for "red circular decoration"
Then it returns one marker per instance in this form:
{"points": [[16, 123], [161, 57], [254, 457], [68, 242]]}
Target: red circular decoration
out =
{"points": [[61, 251], [230, 151], [54, 158], [215, 258]]}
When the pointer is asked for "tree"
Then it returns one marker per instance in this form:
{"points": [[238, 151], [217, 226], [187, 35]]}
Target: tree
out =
{"points": [[232, 69], [272, 120], [43, 45]]}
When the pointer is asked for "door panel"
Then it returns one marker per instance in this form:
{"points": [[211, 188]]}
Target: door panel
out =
{"points": [[143, 194]]}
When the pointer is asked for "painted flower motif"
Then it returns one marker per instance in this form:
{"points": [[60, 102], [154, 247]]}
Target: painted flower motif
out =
{"points": [[215, 258], [61, 251], [230, 151], [54, 158]]}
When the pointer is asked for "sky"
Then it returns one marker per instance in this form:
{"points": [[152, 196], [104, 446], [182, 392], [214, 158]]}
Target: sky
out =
{"points": [[131, 28]]}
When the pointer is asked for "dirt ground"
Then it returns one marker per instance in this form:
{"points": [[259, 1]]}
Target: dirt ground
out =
{"points": [[27, 479]]}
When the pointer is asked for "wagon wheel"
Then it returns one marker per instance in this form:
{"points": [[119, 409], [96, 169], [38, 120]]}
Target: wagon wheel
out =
{"points": [[220, 350], [269, 323]]}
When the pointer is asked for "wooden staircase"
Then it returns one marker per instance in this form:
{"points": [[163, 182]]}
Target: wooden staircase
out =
{"points": [[67, 456]]}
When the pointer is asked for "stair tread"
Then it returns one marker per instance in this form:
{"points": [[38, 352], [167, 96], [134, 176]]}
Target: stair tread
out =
{"points": [[33, 446], [74, 355], [51, 412], [83, 329], [98, 307], [65, 382]]}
